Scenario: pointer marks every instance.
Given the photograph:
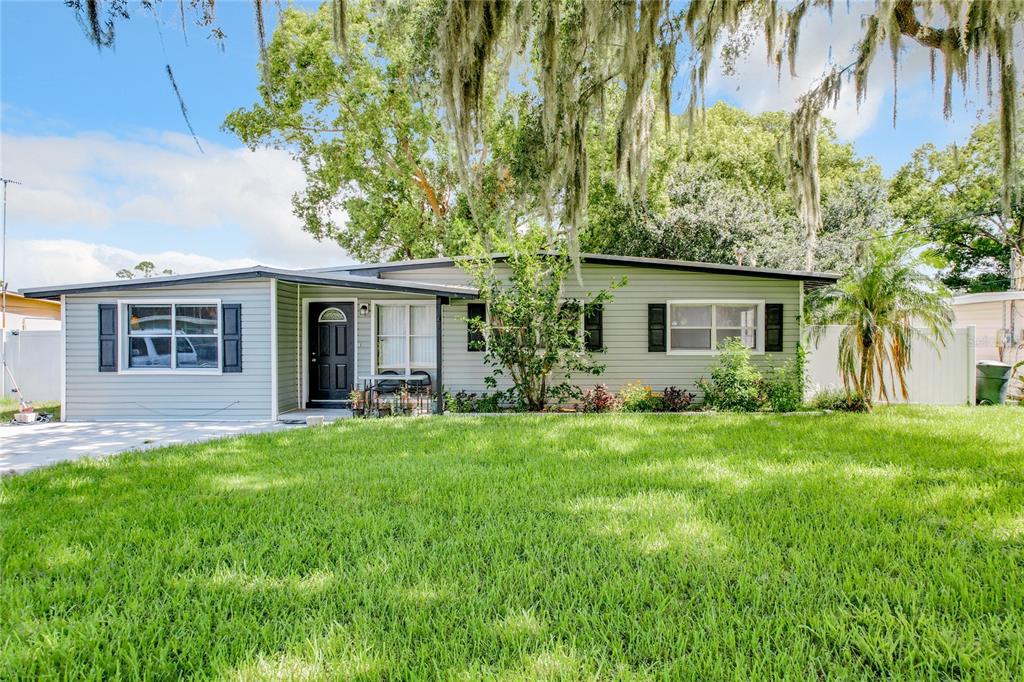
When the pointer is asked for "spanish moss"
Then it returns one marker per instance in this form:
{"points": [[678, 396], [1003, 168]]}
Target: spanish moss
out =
{"points": [[976, 29], [339, 17], [261, 37], [184, 109], [800, 159], [582, 49]]}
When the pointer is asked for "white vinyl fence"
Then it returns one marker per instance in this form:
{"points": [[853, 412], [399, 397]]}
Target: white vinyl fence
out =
{"points": [[937, 377], [34, 359]]}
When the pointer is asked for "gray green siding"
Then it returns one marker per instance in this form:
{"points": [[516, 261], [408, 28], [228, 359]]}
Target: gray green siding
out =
{"points": [[625, 323], [94, 395], [288, 371]]}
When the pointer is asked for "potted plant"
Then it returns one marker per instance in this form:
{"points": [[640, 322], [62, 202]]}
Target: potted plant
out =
{"points": [[406, 402], [357, 398]]}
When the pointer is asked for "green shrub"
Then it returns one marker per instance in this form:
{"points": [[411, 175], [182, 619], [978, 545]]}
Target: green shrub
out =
{"points": [[636, 397], [839, 400], [783, 389], [460, 402], [465, 402], [735, 383]]}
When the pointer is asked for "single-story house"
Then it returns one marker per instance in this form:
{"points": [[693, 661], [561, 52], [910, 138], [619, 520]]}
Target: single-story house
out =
{"points": [[258, 342], [998, 319]]}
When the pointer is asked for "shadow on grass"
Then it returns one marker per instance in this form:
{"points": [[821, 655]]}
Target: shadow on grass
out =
{"points": [[529, 548]]}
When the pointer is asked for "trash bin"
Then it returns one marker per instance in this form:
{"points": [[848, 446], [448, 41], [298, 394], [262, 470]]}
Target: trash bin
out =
{"points": [[993, 380]]}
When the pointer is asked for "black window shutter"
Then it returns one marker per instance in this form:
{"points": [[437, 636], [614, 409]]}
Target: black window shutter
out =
{"points": [[108, 337], [593, 326], [475, 340], [773, 327], [656, 327], [232, 337]]}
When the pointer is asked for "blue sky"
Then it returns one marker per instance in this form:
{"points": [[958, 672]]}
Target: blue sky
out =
{"points": [[111, 175]]}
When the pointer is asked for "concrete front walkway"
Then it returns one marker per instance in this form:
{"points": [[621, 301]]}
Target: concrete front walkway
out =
{"points": [[30, 446]]}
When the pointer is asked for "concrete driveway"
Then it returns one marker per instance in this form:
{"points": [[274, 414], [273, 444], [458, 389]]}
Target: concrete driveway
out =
{"points": [[30, 446]]}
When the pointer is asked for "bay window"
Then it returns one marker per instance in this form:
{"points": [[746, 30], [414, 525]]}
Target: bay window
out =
{"points": [[169, 336], [405, 336], [697, 327]]}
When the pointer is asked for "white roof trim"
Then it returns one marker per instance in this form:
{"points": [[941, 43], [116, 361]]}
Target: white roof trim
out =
{"points": [[989, 297]]}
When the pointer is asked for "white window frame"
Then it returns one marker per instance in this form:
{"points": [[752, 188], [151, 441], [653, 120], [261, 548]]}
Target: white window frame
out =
{"points": [[409, 366], [123, 336], [758, 349]]}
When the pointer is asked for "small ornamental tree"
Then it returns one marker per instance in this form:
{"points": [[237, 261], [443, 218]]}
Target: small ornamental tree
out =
{"points": [[884, 304], [534, 335]]}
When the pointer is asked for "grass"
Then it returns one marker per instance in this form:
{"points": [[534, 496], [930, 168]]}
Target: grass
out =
{"points": [[608, 546], [8, 407]]}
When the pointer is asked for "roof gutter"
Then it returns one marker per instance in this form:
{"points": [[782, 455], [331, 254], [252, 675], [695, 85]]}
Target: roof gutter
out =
{"points": [[823, 278], [352, 282]]}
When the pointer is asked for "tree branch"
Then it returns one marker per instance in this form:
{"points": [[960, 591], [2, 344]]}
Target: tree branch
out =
{"points": [[928, 36]]}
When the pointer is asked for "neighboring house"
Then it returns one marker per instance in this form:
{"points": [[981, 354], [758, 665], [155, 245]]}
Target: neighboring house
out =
{"points": [[256, 342], [998, 319], [31, 347], [29, 314]]}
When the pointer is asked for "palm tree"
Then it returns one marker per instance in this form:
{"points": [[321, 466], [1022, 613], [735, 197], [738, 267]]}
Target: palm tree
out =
{"points": [[883, 304]]}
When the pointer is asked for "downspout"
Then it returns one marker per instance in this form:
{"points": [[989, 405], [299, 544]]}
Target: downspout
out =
{"points": [[438, 343], [800, 341], [273, 351]]}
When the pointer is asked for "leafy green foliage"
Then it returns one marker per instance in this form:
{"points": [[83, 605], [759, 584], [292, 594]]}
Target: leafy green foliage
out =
{"points": [[364, 128], [884, 304], [530, 546], [460, 402], [532, 333], [735, 384], [144, 269], [466, 402], [636, 397], [952, 198], [728, 193], [838, 400], [782, 389]]}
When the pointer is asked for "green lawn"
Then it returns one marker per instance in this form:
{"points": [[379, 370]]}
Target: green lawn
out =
{"points": [[609, 546]]}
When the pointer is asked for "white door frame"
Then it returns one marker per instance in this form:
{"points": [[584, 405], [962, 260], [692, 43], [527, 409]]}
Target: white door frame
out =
{"points": [[303, 326]]}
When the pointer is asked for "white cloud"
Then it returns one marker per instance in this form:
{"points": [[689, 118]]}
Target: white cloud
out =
{"points": [[114, 189], [42, 262]]}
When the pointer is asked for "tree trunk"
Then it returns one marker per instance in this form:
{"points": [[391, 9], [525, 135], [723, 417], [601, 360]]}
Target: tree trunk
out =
{"points": [[1016, 268], [812, 245]]}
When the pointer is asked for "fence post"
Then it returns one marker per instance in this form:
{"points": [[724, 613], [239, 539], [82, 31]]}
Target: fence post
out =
{"points": [[3, 372], [972, 388]]}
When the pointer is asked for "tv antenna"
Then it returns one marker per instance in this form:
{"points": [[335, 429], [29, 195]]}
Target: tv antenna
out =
{"points": [[3, 284]]}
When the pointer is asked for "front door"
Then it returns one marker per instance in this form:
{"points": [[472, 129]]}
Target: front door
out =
{"points": [[331, 349]]}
